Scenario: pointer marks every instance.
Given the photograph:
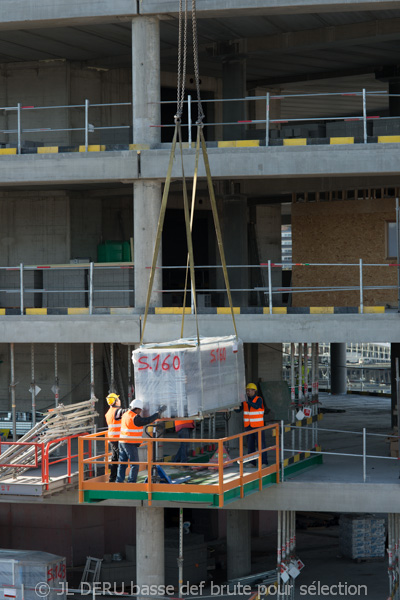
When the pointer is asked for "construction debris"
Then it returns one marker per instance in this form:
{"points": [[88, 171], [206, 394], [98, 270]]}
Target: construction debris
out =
{"points": [[60, 422]]}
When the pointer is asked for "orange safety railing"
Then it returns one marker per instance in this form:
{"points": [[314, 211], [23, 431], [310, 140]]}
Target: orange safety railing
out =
{"points": [[42, 452], [222, 485]]}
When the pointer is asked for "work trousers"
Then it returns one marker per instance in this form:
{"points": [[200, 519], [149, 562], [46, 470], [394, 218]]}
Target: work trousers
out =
{"points": [[252, 445], [114, 458], [182, 454], [128, 451]]}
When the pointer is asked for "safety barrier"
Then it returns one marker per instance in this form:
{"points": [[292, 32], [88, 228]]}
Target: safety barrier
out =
{"points": [[42, 460], [300, 130], [33, 290], [218, 489]]}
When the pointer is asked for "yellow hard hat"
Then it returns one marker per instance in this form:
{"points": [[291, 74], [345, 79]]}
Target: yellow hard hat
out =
{"points": [[112, 398], [251, 386]]}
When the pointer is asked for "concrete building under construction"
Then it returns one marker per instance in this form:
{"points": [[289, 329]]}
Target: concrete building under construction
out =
{"points": [[302, 127]]}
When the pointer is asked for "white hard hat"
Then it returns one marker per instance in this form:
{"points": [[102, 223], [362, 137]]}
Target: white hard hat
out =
{"points": [[136, 404]]}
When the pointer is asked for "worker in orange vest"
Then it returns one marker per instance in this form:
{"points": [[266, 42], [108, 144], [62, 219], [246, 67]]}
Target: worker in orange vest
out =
{"points": [[253, 418], [113, 418], [132, 429], [183, 429]]}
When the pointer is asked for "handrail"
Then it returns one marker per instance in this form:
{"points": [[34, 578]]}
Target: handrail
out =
{"points": [[218, 488], [42, 456], [88, 128], [91, 290]]}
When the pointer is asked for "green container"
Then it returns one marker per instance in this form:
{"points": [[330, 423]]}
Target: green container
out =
{"points": [[113, 252]]}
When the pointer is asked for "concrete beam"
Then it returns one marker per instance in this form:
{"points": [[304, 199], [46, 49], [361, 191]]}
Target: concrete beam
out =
{"points": [[275, 162], [223, 8], [287, 164], [61, 13], [68, 168], [162, 328], [292, 495]]}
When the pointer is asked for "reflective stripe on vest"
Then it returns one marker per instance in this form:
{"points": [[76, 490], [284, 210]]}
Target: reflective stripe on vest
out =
{"points": [[129, 431], [253, 417], [114, 427]]}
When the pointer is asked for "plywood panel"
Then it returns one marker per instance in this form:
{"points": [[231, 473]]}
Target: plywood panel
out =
{"points": [[342, 232]]}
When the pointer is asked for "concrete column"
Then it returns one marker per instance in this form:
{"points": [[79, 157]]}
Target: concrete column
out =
{"points": [[146, 112], [146, 210], [338, 369], [394, 354], [146, 83], [149, 546], [235, 223], [238, 543], [234, 86]]}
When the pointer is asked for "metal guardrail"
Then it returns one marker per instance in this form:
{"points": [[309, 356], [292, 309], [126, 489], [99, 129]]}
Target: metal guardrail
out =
{"points": [[90, 291], [87, 128], [219, 487], [364, 456]]}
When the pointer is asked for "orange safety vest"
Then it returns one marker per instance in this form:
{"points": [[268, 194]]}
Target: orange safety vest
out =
{"points": [[184, 425], [114, 426], [130, 433], [253, 417]]}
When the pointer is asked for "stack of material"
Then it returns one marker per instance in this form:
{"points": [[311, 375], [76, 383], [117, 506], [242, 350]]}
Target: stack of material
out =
{"points": [[62, 421], [362, 536], [21, 572], [189, 378]]}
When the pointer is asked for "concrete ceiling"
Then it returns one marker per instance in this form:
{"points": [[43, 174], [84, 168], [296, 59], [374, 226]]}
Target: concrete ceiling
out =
{"points": [[280, 49]]}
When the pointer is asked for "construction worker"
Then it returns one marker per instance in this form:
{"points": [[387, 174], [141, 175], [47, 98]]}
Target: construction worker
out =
{"points": [[132, 425], [183, 429], [253, 418], [113, 418]]}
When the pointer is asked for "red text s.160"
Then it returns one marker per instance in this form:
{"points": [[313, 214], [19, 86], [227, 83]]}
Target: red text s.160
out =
{"points": [[168, 362], [218, 355]]}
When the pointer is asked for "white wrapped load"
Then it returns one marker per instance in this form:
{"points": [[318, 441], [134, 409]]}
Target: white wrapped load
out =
{"points": [[31, 575], [191, 380]]}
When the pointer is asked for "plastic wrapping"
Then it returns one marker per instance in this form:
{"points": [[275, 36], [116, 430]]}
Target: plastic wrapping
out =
{"points": [[191, 380], [29, 575], [362, 536]]}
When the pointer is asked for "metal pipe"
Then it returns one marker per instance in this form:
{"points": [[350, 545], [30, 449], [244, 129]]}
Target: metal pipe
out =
{"points": [[21, 288], [12, 388], [92, 395], [189, 101], [270, 287], [112, 376], [312, 393], [300, 388], [365, 116], [364, 455], [19, 127], [279, 549], [390, 552], [282, 451], [86, 125], [306, 388], [91, 273], [361, 288], [398, 253], [180, 557], [56, 379], [267, 119], [130, 384], [292, 388], [33, 385]]}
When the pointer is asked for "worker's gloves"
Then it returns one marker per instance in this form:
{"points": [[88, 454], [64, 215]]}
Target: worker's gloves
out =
{"points": [[162, 408]]}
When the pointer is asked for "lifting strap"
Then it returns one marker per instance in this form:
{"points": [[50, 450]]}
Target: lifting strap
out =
{"points": [[200, 142]]}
